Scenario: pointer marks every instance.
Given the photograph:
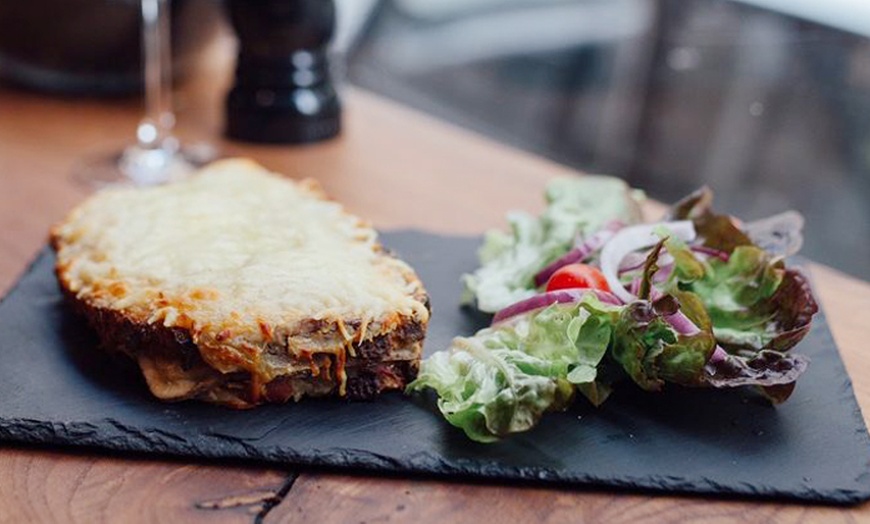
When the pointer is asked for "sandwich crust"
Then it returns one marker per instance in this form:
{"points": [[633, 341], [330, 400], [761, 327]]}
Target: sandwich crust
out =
{"points": [[241, 287]]}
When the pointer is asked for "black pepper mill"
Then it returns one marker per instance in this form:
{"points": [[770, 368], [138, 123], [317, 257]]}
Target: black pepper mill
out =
{"points": [[283, 92]]}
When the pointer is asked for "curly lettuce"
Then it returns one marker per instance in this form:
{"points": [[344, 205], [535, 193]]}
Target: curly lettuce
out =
{"points": [[652, 352], [759, 308], [503, 379], [753, 300], [720, 310], [576, 207]]}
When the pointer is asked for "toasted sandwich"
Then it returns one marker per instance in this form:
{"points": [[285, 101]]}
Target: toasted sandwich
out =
{"points": [[239, 287]]}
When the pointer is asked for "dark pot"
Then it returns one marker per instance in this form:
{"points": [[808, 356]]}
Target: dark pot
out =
{"points": [[91, 46]]}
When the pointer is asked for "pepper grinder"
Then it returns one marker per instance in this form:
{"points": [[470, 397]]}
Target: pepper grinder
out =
{"points": [[283, 93]]}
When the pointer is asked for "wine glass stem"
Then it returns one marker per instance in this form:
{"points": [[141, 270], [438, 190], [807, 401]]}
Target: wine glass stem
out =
{"points": [[155, 130]]}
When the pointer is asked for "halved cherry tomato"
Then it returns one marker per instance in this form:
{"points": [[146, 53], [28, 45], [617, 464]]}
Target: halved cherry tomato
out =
{"points": [[575, 276]]}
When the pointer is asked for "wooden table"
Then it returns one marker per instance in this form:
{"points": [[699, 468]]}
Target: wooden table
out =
{"points": [[400, 169]]}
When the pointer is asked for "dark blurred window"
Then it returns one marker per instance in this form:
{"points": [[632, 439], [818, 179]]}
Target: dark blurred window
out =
{"points": [[767, 108]]}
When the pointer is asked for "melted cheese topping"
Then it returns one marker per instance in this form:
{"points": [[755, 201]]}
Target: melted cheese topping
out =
{"points": [[236, 255]]}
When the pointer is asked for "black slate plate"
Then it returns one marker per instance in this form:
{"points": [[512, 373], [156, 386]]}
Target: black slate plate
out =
{"points": [[54, 389]]}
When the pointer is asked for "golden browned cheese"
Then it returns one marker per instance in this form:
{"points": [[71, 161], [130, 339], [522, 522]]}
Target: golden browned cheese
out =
{"points": [[258, 273]]}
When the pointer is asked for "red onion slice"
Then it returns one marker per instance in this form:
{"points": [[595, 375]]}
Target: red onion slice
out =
{"points": [[580, 252], [710, 252], [632, 239], [678, 320], [632, 262], [682, 324], [561, 296], [575, 255], [718, 355]]}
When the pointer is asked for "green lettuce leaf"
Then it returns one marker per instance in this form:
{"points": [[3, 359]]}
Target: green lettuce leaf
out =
{"points": [[687, 268], [736, 294], [753, 300], [575, 207], [488, 393], [646, 344], [578, 336], [652, 353], [502, 380]]}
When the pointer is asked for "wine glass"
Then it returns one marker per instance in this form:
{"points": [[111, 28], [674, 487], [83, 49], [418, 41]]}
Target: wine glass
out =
{"points": [[157, 156]]}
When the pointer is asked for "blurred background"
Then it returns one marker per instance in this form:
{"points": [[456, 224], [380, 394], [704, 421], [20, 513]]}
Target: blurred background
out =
{"points": [[766, 101]]}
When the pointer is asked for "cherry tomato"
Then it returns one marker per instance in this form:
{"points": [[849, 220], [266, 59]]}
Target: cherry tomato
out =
{"points": [[577, 276]]}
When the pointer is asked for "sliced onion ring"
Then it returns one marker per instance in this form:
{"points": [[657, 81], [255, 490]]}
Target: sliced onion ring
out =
{"points": [[631, 239], [561, 296], [580, 252]]}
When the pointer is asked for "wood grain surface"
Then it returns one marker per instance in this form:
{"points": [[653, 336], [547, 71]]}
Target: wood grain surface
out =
{"points": [[399, 169], [49, 486]]}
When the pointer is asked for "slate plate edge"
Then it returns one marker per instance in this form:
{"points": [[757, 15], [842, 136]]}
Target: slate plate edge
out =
{"points": [[118, 437]]}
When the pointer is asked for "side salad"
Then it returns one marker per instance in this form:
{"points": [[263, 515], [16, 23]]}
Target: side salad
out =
{"points": [[586, 297]]}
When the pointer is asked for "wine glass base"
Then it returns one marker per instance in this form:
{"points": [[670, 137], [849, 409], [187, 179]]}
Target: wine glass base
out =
{"points": [[135, 166]]}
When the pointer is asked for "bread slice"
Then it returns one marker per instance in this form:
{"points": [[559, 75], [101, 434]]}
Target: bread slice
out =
{"points": [[240, 287]]}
